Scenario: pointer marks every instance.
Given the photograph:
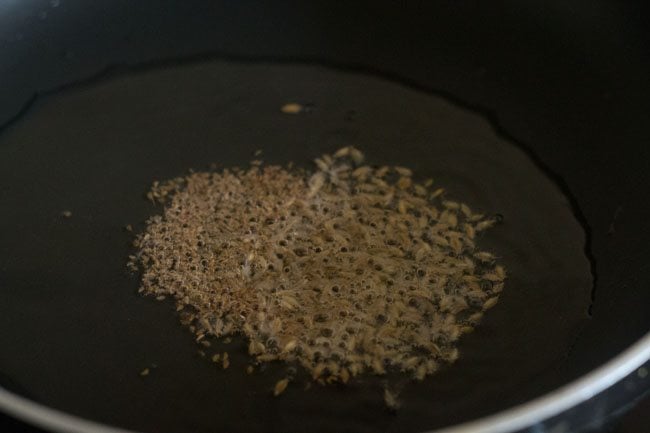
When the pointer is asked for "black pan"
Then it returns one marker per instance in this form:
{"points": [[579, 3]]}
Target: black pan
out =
{"points": [[536, 112]]}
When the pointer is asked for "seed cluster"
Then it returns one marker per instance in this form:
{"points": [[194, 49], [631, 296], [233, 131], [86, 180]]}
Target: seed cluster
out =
{"points": [[347, 270]]}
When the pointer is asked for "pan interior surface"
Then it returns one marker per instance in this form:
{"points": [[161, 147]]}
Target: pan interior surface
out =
{"points": [[80, 335]]}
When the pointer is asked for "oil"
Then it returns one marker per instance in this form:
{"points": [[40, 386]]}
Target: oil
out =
{"points": [[96, 147]]}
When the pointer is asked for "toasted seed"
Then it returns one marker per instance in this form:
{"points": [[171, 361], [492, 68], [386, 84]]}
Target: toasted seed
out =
{"points": [[469, 230], [404, 182], [420, 372], [66, 214], [342, 152], [500, 271], [362, 171], [420, 190], [483, 225], [356, 155], [403, 171], [411, 362], [490, 303], [494, 277], [355, 369], [484, 256], [391, 399], [453, 355], [318, 370], [437, 193], [401, 206], [321, 164], [145, 372], [316, 182], [378, 367], [432, 366], [466, 329], [291, 345], [439, 240], [255, 348], [292, 108], [451, 204], [456, 245], [379, 182], [345, 375], [475, 318], [280, 386], [382, 171]]}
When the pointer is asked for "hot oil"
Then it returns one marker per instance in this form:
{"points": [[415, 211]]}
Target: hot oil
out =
{"points": [[95, 149]]}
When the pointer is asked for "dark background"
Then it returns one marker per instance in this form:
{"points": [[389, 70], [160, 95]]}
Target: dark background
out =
{"points": [[567, 79]]}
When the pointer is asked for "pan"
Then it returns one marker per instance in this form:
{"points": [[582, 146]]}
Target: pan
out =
{"points": [[535, 112]]}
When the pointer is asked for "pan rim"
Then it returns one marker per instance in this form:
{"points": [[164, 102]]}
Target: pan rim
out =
{"points": [[508, 420]]}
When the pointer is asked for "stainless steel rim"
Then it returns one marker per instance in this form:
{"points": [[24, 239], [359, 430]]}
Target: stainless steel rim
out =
{"points": [[509, 420]]}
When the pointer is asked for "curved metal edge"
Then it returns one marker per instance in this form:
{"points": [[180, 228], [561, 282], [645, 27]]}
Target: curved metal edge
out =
{"points": [[509, 420], [48, 418], [564, 398]]}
